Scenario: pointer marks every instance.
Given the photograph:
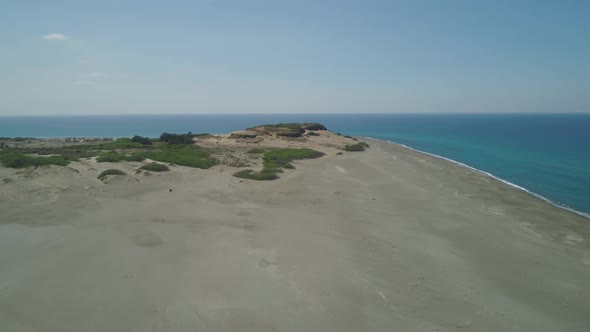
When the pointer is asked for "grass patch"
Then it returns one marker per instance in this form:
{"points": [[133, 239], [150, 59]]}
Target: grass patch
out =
{"points": [[155, 167], [258, 176], [190, 156], [177, 138], [256, 151], [275, 160], [363, 144], [111, 157], [115, 157], [354, 147], [282, 158], [19, 160], [111, 171], [135, 157]]}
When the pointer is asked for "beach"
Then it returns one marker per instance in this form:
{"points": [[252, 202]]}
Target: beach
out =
{"points": [[388, 239]]}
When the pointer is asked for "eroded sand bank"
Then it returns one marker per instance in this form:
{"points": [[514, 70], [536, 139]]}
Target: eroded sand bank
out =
{"points": [[383, 240]]}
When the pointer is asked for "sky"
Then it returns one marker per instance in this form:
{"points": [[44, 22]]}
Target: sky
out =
{"points": [[216, 56]]}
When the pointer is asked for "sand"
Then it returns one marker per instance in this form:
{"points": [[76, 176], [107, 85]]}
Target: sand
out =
{"points": [[383, 240]]}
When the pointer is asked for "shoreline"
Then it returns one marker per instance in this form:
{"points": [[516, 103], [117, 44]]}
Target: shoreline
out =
{"points": [[513, 185], [358, 241]]}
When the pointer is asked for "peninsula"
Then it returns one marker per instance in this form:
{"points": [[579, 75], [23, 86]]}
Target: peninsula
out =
{"points": [[283, 227]]}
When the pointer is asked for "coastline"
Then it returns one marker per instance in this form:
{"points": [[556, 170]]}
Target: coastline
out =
{"points": [[538, 196], [358, 241]]}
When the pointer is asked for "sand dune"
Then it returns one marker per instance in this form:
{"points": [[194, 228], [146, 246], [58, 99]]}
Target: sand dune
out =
{"points": [[383, 240]]}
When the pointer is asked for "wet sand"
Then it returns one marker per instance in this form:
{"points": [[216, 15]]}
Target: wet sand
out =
{"points": [[383, 240]]}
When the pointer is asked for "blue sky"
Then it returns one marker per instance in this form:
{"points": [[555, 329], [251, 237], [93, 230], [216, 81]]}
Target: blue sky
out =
{"points": [[136, 57]]}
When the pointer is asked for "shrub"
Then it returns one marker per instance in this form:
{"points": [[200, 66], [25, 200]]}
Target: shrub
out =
{"points": [[190, 156], [111, 171], [274, 161], [259, 176], [177, 139], [135, 157], [121, 143], [312, 133], [282, 158], [142, 140], [115, 157], [354, 147], [155, 167], [110, 157], [256, 151], [19, 160], [364, 144], [202, 135]]}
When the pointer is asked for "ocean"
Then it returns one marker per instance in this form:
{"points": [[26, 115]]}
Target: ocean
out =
{"points": [[545, 154]]}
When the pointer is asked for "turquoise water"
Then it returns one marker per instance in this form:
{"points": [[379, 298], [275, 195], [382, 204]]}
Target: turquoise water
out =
{"points": [[548, 154]]}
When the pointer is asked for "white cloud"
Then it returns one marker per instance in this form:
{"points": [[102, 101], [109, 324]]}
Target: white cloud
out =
{"points": [[82, 82], [54, 36]]}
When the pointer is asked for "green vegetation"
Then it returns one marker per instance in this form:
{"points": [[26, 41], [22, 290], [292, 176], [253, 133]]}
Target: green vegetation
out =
{"points": [[177, 138], [275, 160], [282, 158], [123, 149], [202, 135], [111, 171], [356, 147], [259, 176], [135, 157], [19, 160], [256, 151], [110, 157], [115, 157], [190, 156], [155, 167], [141, 140]]}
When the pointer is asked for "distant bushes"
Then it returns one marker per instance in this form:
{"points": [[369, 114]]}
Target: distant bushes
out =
{"points": [[107, 172], [19, 160], [177, 138], [155, 167], [141, 140]]}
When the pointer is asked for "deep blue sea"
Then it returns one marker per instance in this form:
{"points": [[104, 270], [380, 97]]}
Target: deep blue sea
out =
{"points": [[548, 154]]}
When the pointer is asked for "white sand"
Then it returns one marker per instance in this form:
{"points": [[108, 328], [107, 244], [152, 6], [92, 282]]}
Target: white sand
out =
{"points": [[382, 240]]}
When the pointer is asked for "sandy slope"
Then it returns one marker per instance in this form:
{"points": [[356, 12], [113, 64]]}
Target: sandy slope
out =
{"points": [[383, 240]]}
